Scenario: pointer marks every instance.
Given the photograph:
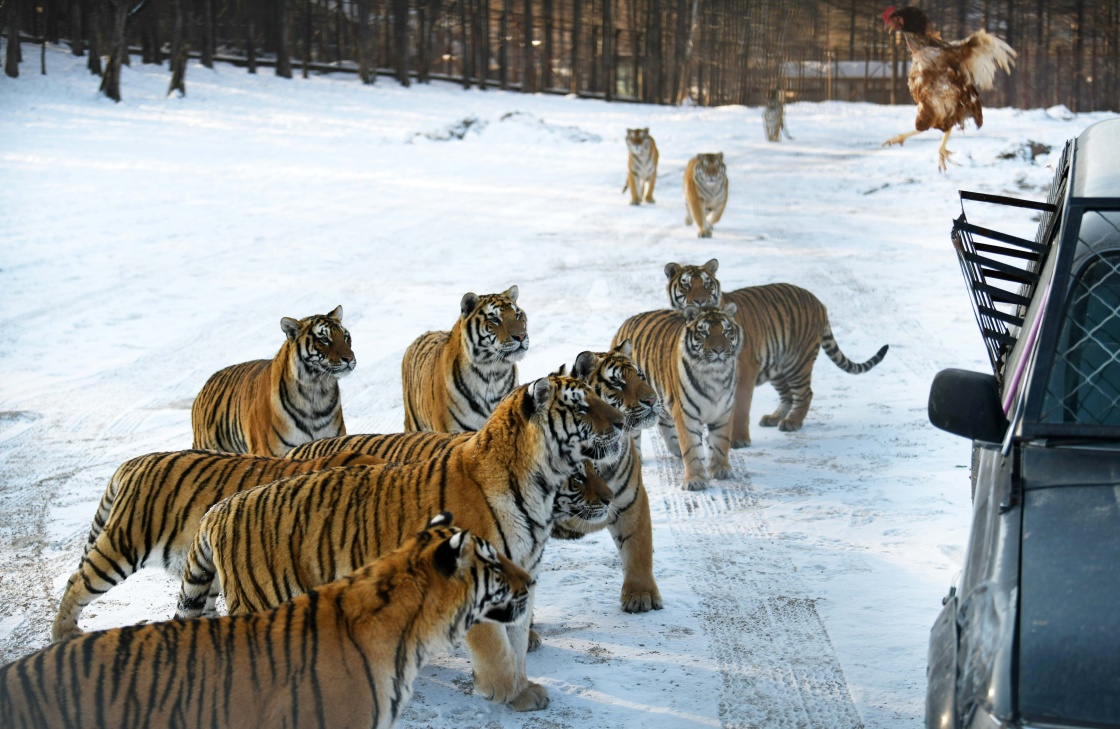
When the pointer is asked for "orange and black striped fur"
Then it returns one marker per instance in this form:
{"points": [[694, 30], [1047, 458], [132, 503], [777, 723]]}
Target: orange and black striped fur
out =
{"points": [[617, 379], [151, 509], [266, 407], [343, 655], [690, 358], [269, 544], [453, 380], [641, 168], [705, 192], [783, 328]]}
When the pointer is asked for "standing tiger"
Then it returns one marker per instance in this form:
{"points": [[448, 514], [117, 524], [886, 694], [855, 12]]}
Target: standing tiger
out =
{"points": [[617, 379], [705, 192], [151, 510], [691, 359], [266, 407], [641, 173], [344, 655], [453, 380], [269, 544], [784, 327]]}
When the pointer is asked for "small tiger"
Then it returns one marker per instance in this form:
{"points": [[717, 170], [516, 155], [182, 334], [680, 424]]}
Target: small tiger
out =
{"points": [[265, 407], [692, 284], [453, 380], [774, 118], [784, 327], [705, 191], [691, 359], [343, 655], [617, 379], [151, 510], [642, 167], [269, 544]]}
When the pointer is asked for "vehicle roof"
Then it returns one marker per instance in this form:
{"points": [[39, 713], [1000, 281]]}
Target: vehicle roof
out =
{"points": [[1096, 171]]}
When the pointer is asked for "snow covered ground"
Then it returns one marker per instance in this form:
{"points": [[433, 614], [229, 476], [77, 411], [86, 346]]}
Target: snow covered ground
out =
{"points": [[147, 244]]}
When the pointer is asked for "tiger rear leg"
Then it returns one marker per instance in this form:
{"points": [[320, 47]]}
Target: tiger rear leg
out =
{"points": [[102, 568], [802, 397], [198, 593], [744, 394], [785, 404], [633, 536]]}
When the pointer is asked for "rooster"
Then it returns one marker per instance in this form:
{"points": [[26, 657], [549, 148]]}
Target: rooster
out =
{"points": [[946, 77]]}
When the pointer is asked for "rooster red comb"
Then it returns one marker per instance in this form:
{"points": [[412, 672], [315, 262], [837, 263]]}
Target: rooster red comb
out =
{"points": [[887, 14]]}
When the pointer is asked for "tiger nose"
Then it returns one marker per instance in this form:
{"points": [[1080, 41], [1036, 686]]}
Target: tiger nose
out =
{"points": [[519, 336], [649, 400]]}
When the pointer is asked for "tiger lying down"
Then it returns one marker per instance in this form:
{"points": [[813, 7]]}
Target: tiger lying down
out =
{"points": [[272, 543], [342, 655]]}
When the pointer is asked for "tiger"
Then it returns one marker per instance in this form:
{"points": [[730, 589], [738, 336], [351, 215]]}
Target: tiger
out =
{"points": [[342, 655], [641, 173], [265, 407], [453, 380], [271, 543], [692, 285], [705, 191], [784, 326], [690, 358], [617, 379], [151, 509]]}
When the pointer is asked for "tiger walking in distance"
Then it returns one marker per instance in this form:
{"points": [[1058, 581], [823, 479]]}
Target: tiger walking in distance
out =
{"points": [[453, 380], [266, 545], [705, 192], [151, 510], [341, 656], [641, 174], [267, 407], [691, 358], [784, 327]]}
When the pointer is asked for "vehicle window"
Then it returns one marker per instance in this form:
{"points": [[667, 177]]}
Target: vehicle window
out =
{"points": [[1084, 386]]}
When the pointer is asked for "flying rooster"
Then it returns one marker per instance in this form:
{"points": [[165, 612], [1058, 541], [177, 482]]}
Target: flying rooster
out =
{"points": [[946, 77]]}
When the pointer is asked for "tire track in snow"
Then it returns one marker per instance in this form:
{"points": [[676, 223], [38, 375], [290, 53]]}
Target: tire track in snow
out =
{"points": [[779, 667]]}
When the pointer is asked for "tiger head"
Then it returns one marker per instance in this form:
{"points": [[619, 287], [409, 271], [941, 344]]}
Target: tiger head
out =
{"points": [[584, 498], [637, 141], [615, 377], [710, 170], [711, 335], [494, 327], [322, 343], [495, 589], [572, 420], [696, 285]]}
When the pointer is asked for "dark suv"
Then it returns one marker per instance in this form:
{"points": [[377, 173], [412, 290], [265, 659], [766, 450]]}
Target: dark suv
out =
{"points": [[1030, 636]]}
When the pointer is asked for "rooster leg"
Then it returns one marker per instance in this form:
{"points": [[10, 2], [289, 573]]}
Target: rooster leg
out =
{"points": [[942, 153], [900, 138]]}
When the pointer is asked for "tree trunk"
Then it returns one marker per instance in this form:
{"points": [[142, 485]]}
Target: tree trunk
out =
{"points": [[608, 50], [95, 44], [111, 79], [546, 63], [400, 39], [577, 33], [206, 53], [528, 54], [689, 51], [250, 16], [178, 51], [283, 41], [503, 51], [150, 43], [306, 70], [77, 46], [12, 54], [366, 73]]}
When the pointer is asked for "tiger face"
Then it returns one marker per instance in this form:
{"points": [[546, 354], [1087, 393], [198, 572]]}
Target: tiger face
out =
{"points": [[500, 591], [579, 423], [585, 497], [695, 285], [495, 326], [710, 170], [637, 141], [322, 343], [711, 335], [615, 377]]}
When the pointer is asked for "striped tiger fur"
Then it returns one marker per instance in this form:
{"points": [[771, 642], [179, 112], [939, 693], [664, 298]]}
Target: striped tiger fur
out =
{"points": [[641, 167], [690, 358], [617, 379], [343, 655], [453, 380], [783, 326], [705, 191], [271, 543], [265, 407], [151, 510], [689, 284]]}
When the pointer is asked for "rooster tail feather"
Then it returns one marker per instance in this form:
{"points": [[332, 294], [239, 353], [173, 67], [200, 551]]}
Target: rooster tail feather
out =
{"points": [[988, 53]]}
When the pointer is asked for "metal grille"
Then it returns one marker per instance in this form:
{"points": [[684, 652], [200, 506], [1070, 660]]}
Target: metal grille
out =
{"points": [[1084, 386]]}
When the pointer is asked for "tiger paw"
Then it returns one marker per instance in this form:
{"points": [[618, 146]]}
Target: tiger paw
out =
{"points": [[635, 202], [641, 602], [534, 640], [533, 698], [769, 421], [650, 200], [741, 443], [501, 688], [696, 483], [788, 426], [721, 471], [704, 234]]}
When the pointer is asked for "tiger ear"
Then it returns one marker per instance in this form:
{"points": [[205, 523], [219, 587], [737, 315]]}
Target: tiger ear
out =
{"points": [[646, 131], [562, 371], [625, 347], [671, 269], [720, 156], [711, 266], [511, 293], [585, 364], [690, 312], [441, 519], [730, 308], [290, 327], [468, 303], [536, 397], [448, 553], [336, 314]]}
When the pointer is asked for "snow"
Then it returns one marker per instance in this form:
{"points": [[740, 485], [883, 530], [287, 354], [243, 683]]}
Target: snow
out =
{"points": [[150, 243]]}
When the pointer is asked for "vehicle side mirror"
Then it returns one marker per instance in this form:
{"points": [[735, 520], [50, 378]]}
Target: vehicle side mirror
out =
{"points": [[967, 403]]}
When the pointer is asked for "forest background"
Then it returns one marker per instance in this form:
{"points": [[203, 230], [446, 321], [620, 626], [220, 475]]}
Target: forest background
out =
{"points": [[707, 52]]}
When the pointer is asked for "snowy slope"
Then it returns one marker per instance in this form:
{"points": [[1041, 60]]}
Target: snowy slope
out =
{"points": [[149, 243]]}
